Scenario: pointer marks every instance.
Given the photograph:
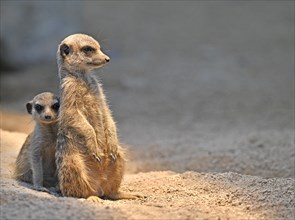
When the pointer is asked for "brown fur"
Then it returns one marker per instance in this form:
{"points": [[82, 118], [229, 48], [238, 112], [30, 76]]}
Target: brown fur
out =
{"points": [[89, 157], [35, 162]]}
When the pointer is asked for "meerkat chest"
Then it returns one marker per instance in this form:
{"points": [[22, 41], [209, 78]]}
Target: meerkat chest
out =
{"points": [[78, 97], [89, 101], [49, 152]]}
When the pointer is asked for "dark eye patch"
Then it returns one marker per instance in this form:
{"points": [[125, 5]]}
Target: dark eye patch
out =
{"points": [[55, 106], [88, 49], [38, 107]]}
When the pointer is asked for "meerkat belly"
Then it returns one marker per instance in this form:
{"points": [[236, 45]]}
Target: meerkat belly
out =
{"points": [[49, 166], [106, 176], [93, 112]]}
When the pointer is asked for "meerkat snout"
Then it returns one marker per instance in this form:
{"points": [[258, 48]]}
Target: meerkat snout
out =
{"points": [[47, 117]]}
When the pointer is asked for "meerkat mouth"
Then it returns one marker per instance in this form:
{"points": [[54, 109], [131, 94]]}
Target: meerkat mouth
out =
{"points": [[95, 63], [48, 121]]}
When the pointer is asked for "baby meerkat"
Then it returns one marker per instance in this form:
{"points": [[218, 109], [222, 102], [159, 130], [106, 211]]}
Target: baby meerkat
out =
{"points": [[90, 160], [35, 162]]}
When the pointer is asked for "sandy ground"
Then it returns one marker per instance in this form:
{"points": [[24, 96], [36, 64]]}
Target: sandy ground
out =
{"points": [[203, 95], [168, 195]]}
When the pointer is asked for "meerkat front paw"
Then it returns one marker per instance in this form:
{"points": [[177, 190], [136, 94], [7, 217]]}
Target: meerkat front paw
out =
{"points": [[97, 157], [113, 156], [113, 152]]}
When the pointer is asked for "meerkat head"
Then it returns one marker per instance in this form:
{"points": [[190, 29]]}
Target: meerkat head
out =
{"points": [[44, 107], [80, 52]]}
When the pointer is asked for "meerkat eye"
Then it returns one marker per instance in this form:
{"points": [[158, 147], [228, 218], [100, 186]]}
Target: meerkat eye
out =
{"points": [[88, 49], [55, 106], [39, 108]]}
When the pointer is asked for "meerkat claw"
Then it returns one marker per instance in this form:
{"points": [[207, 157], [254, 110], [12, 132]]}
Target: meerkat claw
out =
{"points": [[114, 157], [97, 158]]}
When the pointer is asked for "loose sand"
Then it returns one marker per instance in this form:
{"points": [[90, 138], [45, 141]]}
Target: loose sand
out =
{"points": [[168, 194]]}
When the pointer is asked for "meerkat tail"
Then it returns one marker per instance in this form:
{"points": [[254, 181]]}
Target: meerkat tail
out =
{"points": [[124, 195]]}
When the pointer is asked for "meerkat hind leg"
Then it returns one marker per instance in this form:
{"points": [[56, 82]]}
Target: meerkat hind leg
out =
{"points": [[94, 199]]}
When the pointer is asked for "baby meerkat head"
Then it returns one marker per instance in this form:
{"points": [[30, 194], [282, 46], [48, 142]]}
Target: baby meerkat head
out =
{"points": [[81, 52], [44, 107]]}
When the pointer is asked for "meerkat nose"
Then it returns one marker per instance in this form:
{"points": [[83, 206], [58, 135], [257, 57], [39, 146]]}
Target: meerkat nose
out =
{"points": [[107, 59], [47, 117]]}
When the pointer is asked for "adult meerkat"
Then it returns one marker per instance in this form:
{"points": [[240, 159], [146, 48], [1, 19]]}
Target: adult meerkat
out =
{"points": [[89, 158], [35, 162]]}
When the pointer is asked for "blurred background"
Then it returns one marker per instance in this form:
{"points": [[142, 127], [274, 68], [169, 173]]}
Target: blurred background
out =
{"points": [[193, 85]]}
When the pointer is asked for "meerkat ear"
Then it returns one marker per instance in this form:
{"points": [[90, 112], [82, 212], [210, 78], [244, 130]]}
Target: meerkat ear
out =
{"points": [[29, 106], [64, 50]]}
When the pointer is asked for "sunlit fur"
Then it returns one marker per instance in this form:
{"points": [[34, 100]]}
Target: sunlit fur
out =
{"points": [[35, 162], [89, 158]]}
